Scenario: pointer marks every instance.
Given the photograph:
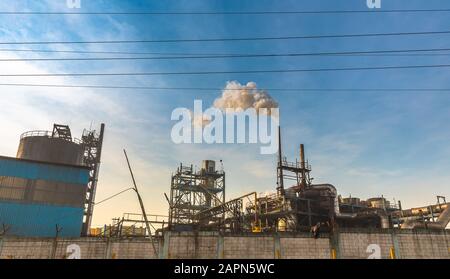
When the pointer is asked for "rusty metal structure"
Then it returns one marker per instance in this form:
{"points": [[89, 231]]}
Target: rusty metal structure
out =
{"points": [[132, 225], [300, 205], [237, 215], [435, 216]]}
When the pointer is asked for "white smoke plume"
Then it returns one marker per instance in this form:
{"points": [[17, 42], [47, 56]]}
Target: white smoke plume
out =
{"points": [[238, 96]]}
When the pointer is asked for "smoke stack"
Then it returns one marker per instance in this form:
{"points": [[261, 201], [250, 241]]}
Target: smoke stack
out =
{"points": [[280, 168], [302, 164], [302, 156]]}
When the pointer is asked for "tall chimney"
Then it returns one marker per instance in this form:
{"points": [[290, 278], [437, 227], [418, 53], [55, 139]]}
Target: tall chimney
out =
{"points": [[280, 167], [302, 165], [302, 156]]}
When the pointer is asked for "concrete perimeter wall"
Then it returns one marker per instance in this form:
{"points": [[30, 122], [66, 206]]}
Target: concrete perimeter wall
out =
{"points": [[356, 244], [76, 248], [385, 244]]}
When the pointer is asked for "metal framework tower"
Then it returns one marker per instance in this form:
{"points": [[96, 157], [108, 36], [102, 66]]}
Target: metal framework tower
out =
{"points": [[61, 131], [293, 171], [193, 192], [92, 143]]}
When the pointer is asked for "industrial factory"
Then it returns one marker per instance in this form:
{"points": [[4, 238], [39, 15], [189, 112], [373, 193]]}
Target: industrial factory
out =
{"points": [[197, 202], [48, 191]]}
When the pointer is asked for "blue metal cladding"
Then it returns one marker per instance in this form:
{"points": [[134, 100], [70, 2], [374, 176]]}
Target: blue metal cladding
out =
{"points": [[40, 220], [35, 218], [51, 172]]}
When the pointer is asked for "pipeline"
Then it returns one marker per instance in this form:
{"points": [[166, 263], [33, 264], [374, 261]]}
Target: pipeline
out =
{"points": [[440, 224]]}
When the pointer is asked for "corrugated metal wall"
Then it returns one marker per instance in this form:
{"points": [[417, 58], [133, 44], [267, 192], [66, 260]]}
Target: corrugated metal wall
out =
{"points": [[42, 191], [35, 170], [35, 197], [40, 220]]}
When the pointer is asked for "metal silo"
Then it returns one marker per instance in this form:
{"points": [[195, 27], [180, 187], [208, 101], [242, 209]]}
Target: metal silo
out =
{"points": [[51, 184], [57, 146]]}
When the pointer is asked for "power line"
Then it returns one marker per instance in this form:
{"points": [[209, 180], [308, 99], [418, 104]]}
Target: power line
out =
{"points": [[230, 39], [231, 72], [205, 56], [230, 89], [366, 11], [99, 52], [113, 196]]}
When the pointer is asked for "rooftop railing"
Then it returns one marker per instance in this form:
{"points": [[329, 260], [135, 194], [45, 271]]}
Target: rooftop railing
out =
{"points": [[42, 133]]}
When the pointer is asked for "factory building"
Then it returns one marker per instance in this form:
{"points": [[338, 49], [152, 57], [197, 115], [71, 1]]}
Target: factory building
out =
{"points": [[45, 190], [197, 203]]}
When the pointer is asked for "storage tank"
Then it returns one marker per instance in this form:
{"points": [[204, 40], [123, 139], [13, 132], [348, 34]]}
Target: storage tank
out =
{"points": [[52, 147]]}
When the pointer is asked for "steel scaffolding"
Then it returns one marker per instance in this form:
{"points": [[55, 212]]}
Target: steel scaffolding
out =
{"points": [[92, 143], [192, 192]]}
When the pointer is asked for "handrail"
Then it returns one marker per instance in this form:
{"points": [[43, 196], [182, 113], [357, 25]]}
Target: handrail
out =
{"points": [[37, 133], [42, 133], [297, 165]]}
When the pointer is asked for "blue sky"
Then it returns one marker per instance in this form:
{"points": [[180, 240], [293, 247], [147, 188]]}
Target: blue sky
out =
{"points": [[365, 143]]}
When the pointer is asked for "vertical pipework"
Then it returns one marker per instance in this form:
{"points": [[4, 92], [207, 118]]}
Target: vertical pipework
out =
{"points": [[280, 168], [302, 164], [302, 155]]}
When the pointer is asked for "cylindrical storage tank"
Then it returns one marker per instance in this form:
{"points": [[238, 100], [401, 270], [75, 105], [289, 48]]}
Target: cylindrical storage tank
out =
{"points": [[41, 147]]}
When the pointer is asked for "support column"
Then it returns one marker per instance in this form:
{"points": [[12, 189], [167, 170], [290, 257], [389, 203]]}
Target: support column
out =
{"points": [[166, 253], [220, 247], [445, 235], [1, 246], [161, 248], [397, 254], [108, 249], [277, 246], [54, 247], [335, 251]]}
